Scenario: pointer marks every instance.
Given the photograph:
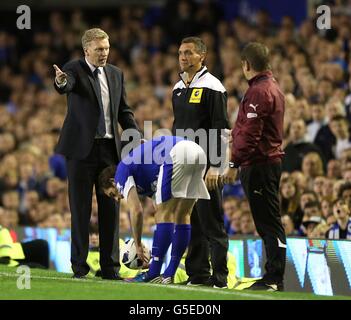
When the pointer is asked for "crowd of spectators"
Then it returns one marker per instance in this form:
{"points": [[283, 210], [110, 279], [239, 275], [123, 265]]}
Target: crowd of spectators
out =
{"points": [[312, 66]]}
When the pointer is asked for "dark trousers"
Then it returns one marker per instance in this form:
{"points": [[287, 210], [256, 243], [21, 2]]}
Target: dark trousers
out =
{"points": [[209, 240], [261, 186], [82, 176], [36, 254]]}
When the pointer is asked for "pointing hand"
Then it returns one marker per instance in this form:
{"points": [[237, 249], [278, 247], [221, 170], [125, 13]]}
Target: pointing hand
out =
{"points": [[61, 76]]}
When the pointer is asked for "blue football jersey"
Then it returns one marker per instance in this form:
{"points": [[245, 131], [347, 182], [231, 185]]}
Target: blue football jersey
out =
{"points": [[141, 167]]}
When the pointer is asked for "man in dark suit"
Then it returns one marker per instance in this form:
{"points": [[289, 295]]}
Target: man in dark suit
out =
{"points": [[90, 142]]}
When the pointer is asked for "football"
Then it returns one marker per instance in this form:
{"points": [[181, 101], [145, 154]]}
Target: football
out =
{"points": [[128, 255]]}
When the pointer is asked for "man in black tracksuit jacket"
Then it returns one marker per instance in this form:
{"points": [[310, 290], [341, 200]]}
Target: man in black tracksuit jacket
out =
{"points": [[200, 104]]}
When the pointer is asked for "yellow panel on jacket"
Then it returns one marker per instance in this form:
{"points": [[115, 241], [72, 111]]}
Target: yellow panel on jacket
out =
{"points": [[10, 249]]}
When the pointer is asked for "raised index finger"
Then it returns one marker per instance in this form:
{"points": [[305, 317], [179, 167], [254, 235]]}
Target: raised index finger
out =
{"points": [[57, 69]]}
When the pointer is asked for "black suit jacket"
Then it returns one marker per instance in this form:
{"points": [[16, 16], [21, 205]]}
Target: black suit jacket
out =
{"points": [[79, 128]]}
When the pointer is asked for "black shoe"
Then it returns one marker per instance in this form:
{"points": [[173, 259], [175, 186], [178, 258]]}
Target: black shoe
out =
{"points": [[198, 282], [79, 276], [209, 282], [112, 276], [220, 285], [214, 283], [264, 286]]}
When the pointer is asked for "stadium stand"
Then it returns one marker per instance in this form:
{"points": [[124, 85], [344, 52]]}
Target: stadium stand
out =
{"points": [[312, 66]]}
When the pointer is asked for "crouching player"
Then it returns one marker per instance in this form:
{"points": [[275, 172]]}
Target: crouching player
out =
{"points": [[170, 170]]}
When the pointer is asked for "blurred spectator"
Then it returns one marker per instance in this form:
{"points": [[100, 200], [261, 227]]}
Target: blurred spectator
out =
{"points": [[244, 205], [345, 192], [67, 220], [341, 229], [30, 202], [288, 225], [234, 189], [306, 196], [345, 160], [310, 223], [312, 209], [318, 183], [179, 21], [230, 207], [325, 139], [336, 188], [7, 143], [340, 129], [328, 188], [61, 199], [317, 121], [26, 182], [300, 179], [297, 147], [235, 226], [327, 209], [53, 188], [40, 213], [54, 220], [8, 218], [10, 200], [94, 237], [247, 226], [346, 175], [320, 230], [312, 167], [9, 181], [334, 169], [289, 196]]}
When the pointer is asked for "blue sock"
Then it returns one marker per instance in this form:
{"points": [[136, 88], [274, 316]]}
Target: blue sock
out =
{"points": [[161, 242], [180, 241]]}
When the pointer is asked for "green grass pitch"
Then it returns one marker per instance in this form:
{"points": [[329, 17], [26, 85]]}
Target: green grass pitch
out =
{"points": [[51, 285]]}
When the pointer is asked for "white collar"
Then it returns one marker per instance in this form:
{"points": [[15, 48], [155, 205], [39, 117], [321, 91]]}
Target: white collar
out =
{"points": [[91, 66], [183, 75]]}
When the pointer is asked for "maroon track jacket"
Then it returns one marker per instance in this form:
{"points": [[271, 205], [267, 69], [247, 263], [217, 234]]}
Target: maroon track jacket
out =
{"points": [[258, 131]]}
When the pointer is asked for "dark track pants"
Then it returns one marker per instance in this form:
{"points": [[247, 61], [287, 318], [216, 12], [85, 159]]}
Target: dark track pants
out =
{"points": [[209, 241], [261, 186]]}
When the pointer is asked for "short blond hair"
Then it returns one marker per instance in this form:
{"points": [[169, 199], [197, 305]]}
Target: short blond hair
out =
{"points": [[92, 34]]}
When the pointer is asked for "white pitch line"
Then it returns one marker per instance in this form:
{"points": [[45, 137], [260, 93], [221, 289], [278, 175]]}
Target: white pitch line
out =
{"points": [[220, 291], [178, 287]]}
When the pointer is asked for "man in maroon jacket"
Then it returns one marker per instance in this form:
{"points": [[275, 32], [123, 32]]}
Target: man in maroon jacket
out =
{"points": [[256, 149]]}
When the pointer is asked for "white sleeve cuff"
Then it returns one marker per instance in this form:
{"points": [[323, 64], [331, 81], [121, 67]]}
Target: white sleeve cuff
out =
{"points": [[62, 84]]}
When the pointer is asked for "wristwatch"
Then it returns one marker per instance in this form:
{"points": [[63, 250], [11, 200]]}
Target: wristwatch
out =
{"points": [[233, 165]]}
